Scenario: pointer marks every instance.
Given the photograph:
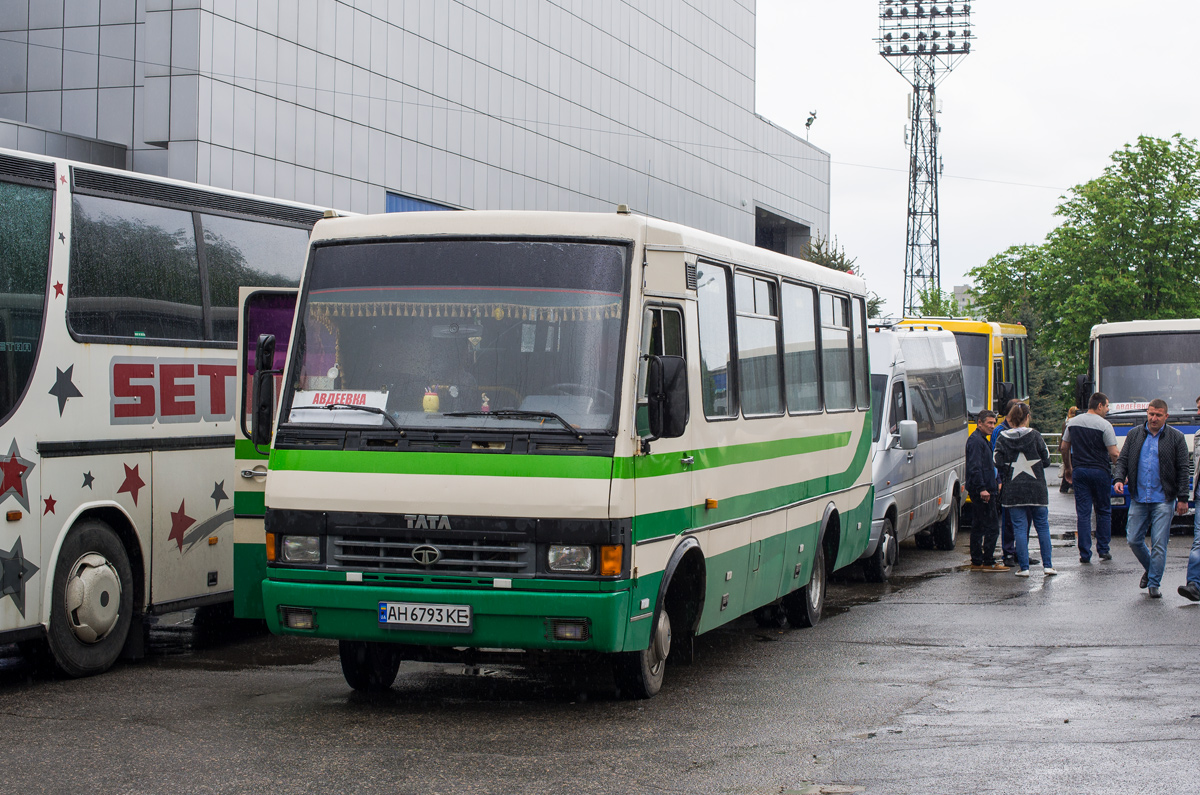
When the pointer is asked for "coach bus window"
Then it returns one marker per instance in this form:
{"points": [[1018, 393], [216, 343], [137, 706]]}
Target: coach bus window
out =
{"points": [[758, 346], [134, 271], [239, 252], [662, 335], [861, 368], [836, 369], [800, 349], [24, 258], [713, 305]]}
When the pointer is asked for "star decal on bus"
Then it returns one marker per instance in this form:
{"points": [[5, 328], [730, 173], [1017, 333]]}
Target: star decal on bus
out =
{"points": [[15, 471], [58, 289], [50, 503], [88, 480], [64, 388], [180, 522], [218, 495], [132, 483], [15, 571]]}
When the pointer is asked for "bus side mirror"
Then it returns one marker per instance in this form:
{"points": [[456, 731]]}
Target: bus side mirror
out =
{"points": [[1005, 391], [908, 434], [1083, 391], [667, 396], [263, 397]]}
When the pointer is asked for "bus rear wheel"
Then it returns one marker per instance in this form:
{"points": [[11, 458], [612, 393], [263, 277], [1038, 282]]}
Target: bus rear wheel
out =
{"points": [[369, 667], [879, 567], [92, 604], [639, 674], [804, 606]]}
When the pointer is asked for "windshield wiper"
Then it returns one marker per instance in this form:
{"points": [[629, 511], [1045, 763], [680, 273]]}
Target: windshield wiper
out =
{"points": [[518, 414], [372, 409]]}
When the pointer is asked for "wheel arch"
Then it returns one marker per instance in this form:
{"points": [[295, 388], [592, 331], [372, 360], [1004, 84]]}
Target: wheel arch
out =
{"points": [[686, 567], [113, 515], [830, 542]]}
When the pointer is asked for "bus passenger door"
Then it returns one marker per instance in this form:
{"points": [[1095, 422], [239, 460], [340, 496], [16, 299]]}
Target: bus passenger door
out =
{"points": [[262, 312]]}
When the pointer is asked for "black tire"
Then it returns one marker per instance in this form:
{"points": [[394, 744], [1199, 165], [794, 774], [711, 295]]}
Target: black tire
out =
{"points": [[1119, 521], [639, 674], [369, 667], [88, 621], [945, 532], [804, 605], [770, 616], [924, 539], [879, 567]]}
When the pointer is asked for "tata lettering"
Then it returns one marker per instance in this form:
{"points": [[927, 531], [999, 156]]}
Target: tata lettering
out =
{"points": [[150, 389]]}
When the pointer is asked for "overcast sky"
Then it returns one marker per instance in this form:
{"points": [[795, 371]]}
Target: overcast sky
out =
{"points": [[1049, 91]]}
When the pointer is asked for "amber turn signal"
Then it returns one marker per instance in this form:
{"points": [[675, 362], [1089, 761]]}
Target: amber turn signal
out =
{"points": [[271, 547], [13, 516], [710, 503], [610, 559]]}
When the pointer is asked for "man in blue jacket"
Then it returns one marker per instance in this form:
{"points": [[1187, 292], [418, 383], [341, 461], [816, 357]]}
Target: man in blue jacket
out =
{"points": [[981, 485]]}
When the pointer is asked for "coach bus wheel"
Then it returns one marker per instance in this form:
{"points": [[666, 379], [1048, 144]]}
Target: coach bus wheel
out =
{"points": [[639, 674], [945, 532], [369, 667], [803, 606], [92, 600], [878, 567]]}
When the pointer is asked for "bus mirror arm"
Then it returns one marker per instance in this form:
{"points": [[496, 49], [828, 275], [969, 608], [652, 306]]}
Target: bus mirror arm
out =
{"points": [[667, 398], [1083, 391], [263, 396]]}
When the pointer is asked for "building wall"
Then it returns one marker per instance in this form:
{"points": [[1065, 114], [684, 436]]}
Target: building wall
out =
{"points": [[483, 104]]}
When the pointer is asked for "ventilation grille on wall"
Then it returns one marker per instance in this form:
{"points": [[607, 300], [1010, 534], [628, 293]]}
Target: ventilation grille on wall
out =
{"points": [[691, 276]]}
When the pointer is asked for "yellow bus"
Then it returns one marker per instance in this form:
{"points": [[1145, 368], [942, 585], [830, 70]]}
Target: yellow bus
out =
{"points": [[989, 384]]}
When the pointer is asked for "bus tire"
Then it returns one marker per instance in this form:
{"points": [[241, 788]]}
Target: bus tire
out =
{"points": [[879, 567], [924, 539], [770, 616], [945, 532], [1120, 520], [639, 674], [804, 605], [369, 667], [92, 600]]}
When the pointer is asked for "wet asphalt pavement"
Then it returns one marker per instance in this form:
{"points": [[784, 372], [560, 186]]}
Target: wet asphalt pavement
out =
{"points": [[942, 681]]}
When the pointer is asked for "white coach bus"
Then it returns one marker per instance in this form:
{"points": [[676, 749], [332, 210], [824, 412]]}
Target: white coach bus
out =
{"points": [[553, 432], [118, 324]]}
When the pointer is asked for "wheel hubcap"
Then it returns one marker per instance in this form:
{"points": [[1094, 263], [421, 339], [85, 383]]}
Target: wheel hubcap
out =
{"points": [[93, 598], [818, 583], [660, 645]]}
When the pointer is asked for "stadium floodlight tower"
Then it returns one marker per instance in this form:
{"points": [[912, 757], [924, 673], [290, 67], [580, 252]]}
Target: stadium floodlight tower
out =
{"points": [[924, 42]]}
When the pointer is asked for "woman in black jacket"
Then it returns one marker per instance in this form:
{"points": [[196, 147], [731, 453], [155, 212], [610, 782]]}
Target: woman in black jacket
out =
{"points": [[1021, 461]]}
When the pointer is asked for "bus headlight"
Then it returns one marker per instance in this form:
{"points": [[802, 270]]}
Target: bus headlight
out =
{"points": [[301, 549], [570, 558]]}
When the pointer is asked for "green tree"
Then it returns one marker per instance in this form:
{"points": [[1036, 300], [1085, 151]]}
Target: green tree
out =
{"points": [[1128, 248], [934, 302], [832, 255]]}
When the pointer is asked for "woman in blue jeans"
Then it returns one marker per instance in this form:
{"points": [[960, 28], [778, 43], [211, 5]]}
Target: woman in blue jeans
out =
{"points": [[1021, 461]]}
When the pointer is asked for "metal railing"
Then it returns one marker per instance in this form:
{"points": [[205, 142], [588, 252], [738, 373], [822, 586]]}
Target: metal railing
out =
{"points": [[1052, 440]]}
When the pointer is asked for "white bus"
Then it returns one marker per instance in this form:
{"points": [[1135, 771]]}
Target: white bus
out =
{"points": [[554, 432], [1134, 362], [118, 323]]}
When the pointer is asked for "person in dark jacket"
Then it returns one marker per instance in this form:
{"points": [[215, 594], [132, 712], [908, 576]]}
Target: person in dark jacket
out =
{"points": [[981, 486], [1006, 526], [1021, 460], [1154, 465]]}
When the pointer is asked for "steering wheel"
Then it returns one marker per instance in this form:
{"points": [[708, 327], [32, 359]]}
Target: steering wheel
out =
{"points": [[581, 389]]}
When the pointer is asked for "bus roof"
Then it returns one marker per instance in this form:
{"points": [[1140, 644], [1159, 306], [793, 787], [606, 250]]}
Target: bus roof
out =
{"points": [[1145, 326], [965, 325], [652, 232]]}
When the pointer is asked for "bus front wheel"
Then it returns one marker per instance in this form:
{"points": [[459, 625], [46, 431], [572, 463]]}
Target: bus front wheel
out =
{"points": [[369, 667], [639, 674], [92, 600]]}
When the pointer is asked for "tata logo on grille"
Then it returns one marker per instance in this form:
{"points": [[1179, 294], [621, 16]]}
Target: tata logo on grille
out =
{"points": [[420, 521], [426, 555]]}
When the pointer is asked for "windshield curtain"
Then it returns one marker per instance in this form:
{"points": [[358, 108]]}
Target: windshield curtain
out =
{"points": [[422, 329], [974, 350], [1134, 369]]}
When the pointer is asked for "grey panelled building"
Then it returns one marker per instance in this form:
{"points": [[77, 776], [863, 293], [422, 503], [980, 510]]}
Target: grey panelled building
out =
{"points": [[370, 105]]}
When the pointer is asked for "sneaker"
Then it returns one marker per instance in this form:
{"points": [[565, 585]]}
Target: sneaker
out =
{"points": [[1190, 591], [1009, 560], [1154, 593], [996, 567], [1145, 579], [1023, 573], [1105, 556], [1049, 572], [1085, 560]]}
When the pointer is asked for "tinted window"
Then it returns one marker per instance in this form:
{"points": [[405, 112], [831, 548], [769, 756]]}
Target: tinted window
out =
{"points": [[836, 369], [134, 271], [662, 335], [800, 349], [239, 252], [24, 259], [861, 367], [758, 347], [878, 385], [712, 290], [974, 351]]}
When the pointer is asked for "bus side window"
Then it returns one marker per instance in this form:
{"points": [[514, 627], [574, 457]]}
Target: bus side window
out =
{"points": [[716, 383], [662, 335], [899, 410]]}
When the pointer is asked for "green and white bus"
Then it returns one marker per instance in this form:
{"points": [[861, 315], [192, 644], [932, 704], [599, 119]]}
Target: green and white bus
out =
{"points": [[549, 432]]}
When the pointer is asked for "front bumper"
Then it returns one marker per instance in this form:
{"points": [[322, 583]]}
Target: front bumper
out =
{"points": [[502, 619]]}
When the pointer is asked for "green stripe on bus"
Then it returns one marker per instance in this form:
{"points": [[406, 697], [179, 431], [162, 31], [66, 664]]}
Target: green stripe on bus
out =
{"points": [[712, 457], [249, 503]]}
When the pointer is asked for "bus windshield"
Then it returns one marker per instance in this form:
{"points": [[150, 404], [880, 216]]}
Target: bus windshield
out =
{"points": [[24, 259], [1134, 369], [973, 350], [477, 334], [878, 385]]}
